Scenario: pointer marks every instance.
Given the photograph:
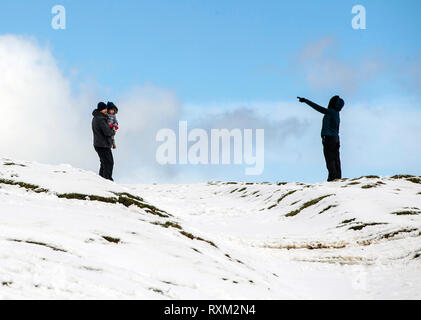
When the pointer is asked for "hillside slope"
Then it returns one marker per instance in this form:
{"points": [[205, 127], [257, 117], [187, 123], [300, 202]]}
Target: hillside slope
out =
{"points": [[67, 233]]}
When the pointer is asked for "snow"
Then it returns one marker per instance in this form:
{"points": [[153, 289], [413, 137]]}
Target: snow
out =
{"points": [[57, 248]]}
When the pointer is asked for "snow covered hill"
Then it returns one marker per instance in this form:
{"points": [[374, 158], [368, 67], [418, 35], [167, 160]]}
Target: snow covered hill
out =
{"points": [[67, 233]]}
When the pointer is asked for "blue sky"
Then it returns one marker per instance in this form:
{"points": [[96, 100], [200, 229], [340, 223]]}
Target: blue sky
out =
{"points": [[209, 50], [220, 53]]}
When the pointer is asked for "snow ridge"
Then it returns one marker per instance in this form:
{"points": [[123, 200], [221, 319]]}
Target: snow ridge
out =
{"points": [[67, 233]]}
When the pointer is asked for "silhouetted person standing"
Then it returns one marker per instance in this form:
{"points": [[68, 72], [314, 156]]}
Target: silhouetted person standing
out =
{"points": [[330, 134], [103, 140]]}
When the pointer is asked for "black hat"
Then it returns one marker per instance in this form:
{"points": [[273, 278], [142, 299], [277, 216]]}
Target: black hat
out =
{"points": [[101, 106], [111, 105]]}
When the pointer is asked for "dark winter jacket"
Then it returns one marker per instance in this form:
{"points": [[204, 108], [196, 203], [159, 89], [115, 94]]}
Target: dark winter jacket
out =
{"points": [[101, 130], [331, 119]]}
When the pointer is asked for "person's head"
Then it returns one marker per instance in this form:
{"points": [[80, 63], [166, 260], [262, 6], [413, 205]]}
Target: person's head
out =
{"points": [[112, 108], [102, 107], [336, 103]]}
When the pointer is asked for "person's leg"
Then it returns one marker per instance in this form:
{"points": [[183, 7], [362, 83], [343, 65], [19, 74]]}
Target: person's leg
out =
{"points": [[330, 158], [338, 160], [109, 164], [113, 140], [100, 152]]}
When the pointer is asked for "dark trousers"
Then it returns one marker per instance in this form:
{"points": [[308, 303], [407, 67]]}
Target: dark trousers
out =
{"points": [[331, 147], [107, 162]]}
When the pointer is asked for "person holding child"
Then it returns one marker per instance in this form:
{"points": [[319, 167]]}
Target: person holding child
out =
{"points": [[104, 127]]}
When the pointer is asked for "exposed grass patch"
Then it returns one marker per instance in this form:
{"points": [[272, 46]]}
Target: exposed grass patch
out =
{"points": [[272, 206], [362, 226], [353, 183], [242, 189], [369, 186], [128, 195], [27, 186], [392, 234], [328, 208], [168, 224], [306, 205], [417, 255], [286, 195], [13, 164], [406, 213], [80, 196], [6, 283], [402, 176], [367, 177], [111, 239], [193, 237], [282, 183], [125, 199], [348, 221], [127, 202], [39, 244], [157, 290], [374, 185], [414, 180]]}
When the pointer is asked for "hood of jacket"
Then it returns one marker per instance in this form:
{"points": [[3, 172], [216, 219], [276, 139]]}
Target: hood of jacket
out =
{"points": [[97, 113], [336, 103]]}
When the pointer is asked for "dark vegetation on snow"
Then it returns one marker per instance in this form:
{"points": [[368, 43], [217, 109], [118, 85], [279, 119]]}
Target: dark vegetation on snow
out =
{"points": [[13, 164], [193, 237], [395, 233], [363, 225], [367, 177], [38, 244], [24, 185], [111, 239], [414, 180], [328, 208], [168, 224], [306, 205], [353, 183], [348, 221], [406, 213], [374, 185], [286, 195], [125, 199], [408, 177]]}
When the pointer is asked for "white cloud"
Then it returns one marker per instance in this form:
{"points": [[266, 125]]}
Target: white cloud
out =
{"points": [[41, 118], [44, 120], [324, 68]]}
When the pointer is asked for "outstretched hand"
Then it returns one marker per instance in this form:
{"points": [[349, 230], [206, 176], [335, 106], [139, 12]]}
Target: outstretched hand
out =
{"points": [[301, 99]]}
